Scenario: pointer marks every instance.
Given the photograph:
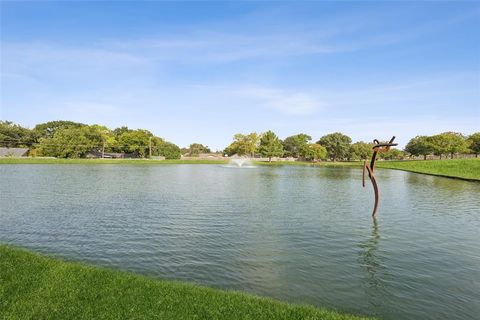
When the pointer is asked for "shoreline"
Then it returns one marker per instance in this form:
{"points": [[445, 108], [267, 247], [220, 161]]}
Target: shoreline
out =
{"points": [[461, 169], [38, 286]]}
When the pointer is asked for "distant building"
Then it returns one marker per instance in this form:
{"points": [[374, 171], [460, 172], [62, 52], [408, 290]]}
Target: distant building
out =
{"points": [[111, 155], [13, 152]]}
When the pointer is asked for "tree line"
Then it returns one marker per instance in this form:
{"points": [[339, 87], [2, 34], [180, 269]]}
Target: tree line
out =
{"points": [[68, 139], [338, 146]]}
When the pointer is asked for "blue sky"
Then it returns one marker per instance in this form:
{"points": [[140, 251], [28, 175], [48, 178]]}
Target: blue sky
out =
{"points": [[203, 71]]}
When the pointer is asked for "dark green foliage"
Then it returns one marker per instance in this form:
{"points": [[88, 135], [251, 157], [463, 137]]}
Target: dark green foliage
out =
{"points": [[420, 145], [47, 129], [474, 143], [361, 151], [448, 143], [13, 135], [392, 154], [135, 141], [293, 145], [243, 144], [270, 145], [71, 142], [37, 287], [313, 152], [121, 130], [196, 148], [168, 150], [337, 144]]}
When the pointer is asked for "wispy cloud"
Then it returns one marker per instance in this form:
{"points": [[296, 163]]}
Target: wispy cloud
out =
{"points": [[284, 101]]}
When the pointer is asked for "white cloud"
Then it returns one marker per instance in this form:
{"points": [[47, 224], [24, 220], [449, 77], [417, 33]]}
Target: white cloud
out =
{"points": [[291, 103]]}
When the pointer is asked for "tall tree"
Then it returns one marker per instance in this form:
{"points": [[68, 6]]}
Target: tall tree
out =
{"points": [[117, 132], [270, 145], [313, 151], [392, 154], [243, 144], [70, 142], [14, 135], [420, 145], [294, 144], [196, 148], [449, 143], [168, 150], [337, 144], [48, 129], [135, 141], [474, 143], [361, 151]]}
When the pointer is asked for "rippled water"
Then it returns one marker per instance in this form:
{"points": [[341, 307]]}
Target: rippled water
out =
{"points": [[299, 234]]}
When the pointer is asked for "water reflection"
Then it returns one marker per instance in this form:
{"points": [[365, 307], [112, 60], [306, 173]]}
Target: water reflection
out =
{"points": [[299, 234], [376, 272]]}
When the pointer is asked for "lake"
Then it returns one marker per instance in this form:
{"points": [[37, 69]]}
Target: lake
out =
{"points": [[299, 234]]}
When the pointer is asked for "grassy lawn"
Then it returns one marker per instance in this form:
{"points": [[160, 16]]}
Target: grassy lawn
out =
{"points": [[311, 164], [34, 286], [468, 169]]}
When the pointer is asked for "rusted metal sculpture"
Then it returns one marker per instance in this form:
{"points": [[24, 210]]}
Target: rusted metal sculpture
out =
{"points": [[377, 147]]}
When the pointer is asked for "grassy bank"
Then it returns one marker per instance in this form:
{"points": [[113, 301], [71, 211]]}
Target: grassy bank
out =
{"points": [[33, 286], [468, 169]]}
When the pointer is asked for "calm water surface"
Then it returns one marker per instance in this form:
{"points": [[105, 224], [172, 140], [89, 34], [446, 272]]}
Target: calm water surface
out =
{"points": [[299, 234]]}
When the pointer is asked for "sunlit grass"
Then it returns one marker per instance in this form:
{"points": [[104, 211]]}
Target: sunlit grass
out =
{"points": [[33, 286], [456, 168]]}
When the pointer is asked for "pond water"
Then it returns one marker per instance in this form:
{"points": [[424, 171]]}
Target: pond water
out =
{"points": [[299, 234]]}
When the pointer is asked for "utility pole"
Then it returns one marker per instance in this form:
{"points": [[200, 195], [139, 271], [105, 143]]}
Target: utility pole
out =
{"points": [[103, 149], [150, 147]]}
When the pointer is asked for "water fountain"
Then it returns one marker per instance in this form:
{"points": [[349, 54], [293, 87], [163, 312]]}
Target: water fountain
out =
{"points": [[240, 163]]}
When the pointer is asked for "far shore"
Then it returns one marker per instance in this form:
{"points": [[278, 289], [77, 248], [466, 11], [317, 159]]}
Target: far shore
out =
{"points": [[465, 169]]}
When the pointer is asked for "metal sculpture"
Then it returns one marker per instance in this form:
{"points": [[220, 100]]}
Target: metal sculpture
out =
{"points": [[377, 148]]}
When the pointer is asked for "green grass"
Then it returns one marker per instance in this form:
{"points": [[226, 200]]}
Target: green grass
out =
{"points": [[468, 169], [34, 286], [311, 164]]}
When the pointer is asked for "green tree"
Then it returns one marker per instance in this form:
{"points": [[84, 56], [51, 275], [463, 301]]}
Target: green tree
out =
{"points": [[196, 148], [420, 145], [392, 154], [337, 144], [361, 151], [243, 144], [13, 135], [117, 132], [168, 150], [474, 143], [294, 144], [270, 145], [70, 142], [313, 152], [449, 143], [48, 129], [135, 141]]}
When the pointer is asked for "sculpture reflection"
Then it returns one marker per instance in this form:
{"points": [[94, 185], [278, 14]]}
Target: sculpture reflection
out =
{"points": [[376, 271]]}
